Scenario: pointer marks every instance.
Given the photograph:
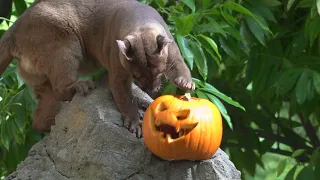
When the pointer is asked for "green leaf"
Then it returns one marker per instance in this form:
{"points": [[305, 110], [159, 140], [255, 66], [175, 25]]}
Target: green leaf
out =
{"points": [[317, 170], [316, 82], [160, 3], [201, 95], [209, 50], [185, 50], [230, 19], [200, 59], [169, 89], [281, 167], [205, 85], [20, 5], [199, 83], [212, 44], [310, 90], [302, 88], [213, 26], [298, 152], [221, 108], [184, 24], [306, 173], [287, 81], [290, 2], [290, 175], [271, 2], [318, 6], [256, 30], [223, 97], [205, 3], [4, 135], [241, 9], [227, 49], [190, 4], [315, 158], [313, 29]]}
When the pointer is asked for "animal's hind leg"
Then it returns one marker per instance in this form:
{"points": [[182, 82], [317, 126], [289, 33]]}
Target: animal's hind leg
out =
{"points": [[64, 75], [47, 106]]}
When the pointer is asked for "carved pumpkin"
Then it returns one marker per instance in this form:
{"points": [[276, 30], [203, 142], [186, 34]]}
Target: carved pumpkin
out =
{"points": [[182, 128]]}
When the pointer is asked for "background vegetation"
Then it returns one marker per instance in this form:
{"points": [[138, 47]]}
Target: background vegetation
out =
{"points": [[265, 54]]}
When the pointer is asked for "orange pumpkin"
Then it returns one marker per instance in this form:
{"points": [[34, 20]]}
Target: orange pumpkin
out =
{"points": [[182, 128]]}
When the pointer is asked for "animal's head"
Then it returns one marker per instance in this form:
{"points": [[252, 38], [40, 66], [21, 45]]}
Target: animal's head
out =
{"points": [[145, 55]]}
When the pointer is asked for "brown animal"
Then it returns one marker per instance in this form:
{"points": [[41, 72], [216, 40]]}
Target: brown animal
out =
{"points": [[55, 41]]}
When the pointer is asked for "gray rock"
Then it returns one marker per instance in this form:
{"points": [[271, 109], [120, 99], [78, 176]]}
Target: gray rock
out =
{"points": [[89, 142]]}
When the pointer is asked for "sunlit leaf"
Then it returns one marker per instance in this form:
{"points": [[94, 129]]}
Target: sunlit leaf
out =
{"points": [[289, 4], [185, 50], [318, 6], [212, 44], [160, 3], [190, 4], [281, 167], [200, 59], [298, 152], [222, 96], [221, 108], [185, 24], [201, 95], [241, 9]]}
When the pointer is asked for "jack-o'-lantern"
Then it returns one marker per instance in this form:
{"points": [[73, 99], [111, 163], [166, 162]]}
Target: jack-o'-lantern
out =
{"points": [[182, 128]]}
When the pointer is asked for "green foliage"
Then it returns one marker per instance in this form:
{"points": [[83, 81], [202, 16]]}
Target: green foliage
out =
{"points": [[262, 53], [265, 55]]}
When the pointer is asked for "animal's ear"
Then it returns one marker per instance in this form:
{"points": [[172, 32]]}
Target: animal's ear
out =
{"points": [[124, 47], [163, 42]]}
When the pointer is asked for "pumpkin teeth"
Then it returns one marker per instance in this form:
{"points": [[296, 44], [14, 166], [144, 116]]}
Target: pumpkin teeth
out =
{"points": [[177, 128], [157, 122], [181, 133], [168, 138], [161, 134]]}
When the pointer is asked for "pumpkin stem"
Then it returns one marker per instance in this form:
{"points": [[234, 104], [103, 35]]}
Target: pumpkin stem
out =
{"points": [[188, 96]]}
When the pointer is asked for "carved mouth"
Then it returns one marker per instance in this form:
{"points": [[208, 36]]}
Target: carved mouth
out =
{"points": [[170, 132]]}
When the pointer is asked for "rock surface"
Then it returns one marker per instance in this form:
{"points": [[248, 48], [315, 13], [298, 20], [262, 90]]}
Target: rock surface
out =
{"points": [[89, 142]]}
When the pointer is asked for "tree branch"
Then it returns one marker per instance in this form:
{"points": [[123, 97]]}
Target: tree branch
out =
{"points": [[310, 131]]}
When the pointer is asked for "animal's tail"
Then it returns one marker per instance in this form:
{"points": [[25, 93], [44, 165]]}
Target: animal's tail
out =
{"points": [[6, 43]]}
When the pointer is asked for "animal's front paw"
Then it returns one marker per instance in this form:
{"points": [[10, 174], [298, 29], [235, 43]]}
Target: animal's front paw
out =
{"points": [[67, 94], [133, 126], [184, 83], [83, 87]]}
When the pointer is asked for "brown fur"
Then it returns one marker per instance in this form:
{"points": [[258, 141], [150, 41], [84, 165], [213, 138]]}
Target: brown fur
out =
{"points": [[55, 41]]}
